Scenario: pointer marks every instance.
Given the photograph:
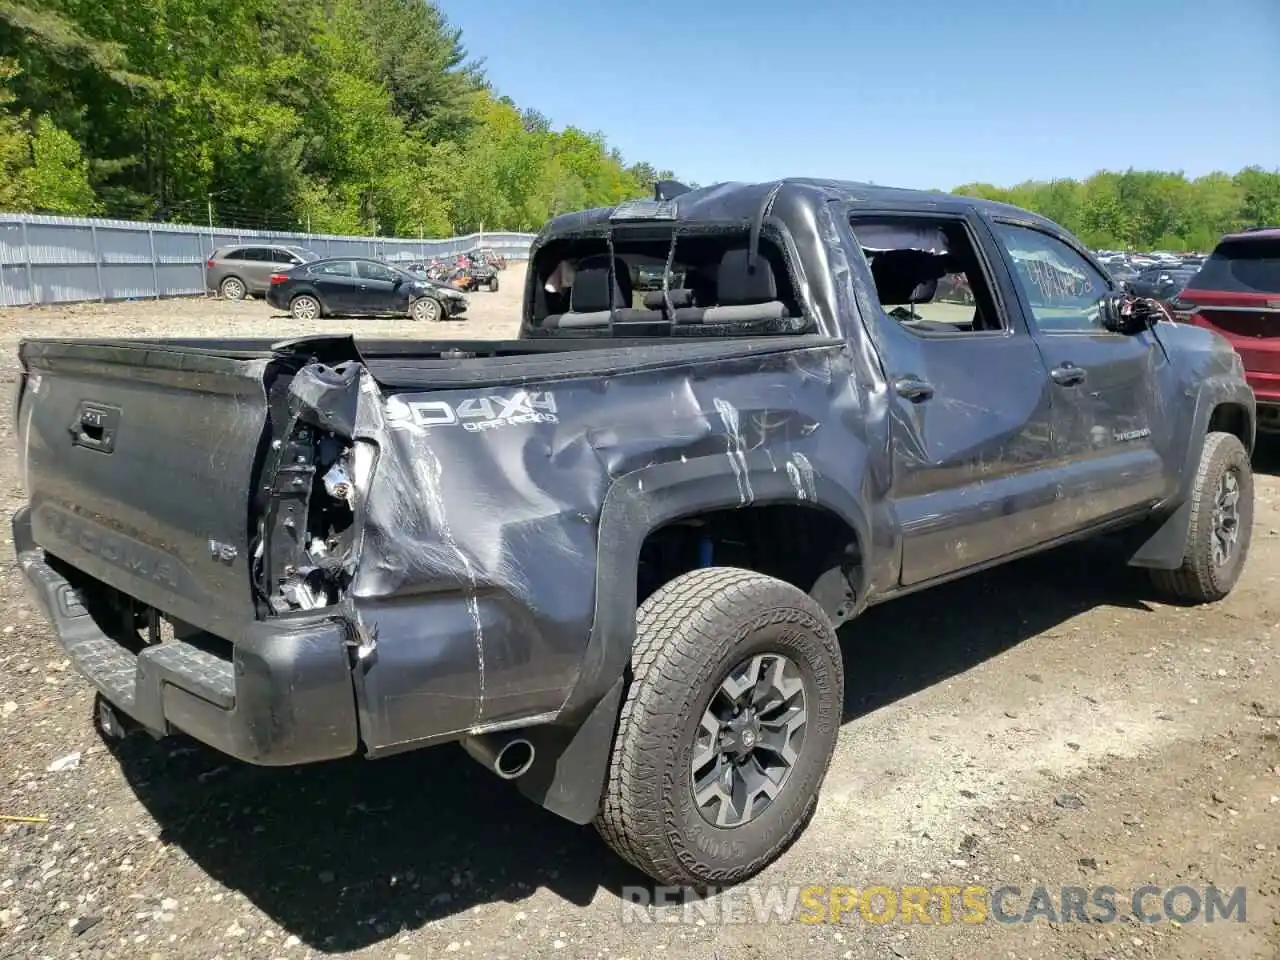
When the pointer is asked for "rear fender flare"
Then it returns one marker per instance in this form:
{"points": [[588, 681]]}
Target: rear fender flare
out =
{"points": [[573, 754], [641, 502]]}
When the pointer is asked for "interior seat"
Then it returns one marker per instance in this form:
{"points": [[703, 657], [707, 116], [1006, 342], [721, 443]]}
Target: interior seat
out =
{"points": [[593, 298], [744, 293], [680, 297], [908, 277]]}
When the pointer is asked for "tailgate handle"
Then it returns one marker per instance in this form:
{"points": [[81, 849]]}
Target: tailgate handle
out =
{"points": [[95, 426]]}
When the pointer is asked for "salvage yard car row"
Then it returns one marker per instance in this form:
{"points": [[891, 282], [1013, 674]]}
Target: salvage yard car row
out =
{"points": [[299, 280]]}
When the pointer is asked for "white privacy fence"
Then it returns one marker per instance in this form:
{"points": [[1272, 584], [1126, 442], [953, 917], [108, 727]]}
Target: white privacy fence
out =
{"points": [[66, 259]]}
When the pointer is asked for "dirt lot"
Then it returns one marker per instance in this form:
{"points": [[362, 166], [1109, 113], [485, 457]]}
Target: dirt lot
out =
{"points": [[1048, 723]]}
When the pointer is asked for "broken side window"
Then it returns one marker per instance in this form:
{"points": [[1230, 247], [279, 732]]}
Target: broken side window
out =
{"points": [[927, 275]]}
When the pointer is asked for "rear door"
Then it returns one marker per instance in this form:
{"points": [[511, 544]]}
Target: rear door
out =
{"points": [[1109, 422], [971, 442], [1237, 293], [336, 282]]}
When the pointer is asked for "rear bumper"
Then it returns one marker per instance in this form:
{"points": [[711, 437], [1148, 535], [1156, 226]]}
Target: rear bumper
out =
{"points": [[284, 697]]}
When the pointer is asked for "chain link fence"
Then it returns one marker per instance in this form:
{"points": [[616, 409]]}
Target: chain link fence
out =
{"points": [[68, 259]]}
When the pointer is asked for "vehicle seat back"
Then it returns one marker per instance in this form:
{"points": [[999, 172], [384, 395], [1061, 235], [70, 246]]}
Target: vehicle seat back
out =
{"points": [[593, 297], [745, 292]]}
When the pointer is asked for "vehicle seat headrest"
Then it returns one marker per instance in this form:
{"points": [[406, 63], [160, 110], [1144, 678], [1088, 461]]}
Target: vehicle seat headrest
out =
{"points": [[907, 276], [740, 284], [590, 292]]}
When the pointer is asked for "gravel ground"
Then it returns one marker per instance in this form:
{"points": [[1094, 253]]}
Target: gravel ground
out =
{"points": [[1049, 722]]}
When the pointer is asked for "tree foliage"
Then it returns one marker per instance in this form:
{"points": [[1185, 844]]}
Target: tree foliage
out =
{"points": [[1148, 210], [351, 116], [362, 116]]}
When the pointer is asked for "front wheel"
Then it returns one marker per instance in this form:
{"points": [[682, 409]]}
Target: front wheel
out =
{"points": [[727, 728], [304, 307], [426, 310], [493, 285], [1221, 524]]}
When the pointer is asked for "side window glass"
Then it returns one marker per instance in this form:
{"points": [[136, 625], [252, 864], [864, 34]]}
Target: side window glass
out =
{"points": [[1065, 291], [374, 271], [336, 268], [927, 275], [283, 256]]}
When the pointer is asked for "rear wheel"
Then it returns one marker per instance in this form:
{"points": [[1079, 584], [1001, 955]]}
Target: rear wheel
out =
{"points": [[727, 728], [305, 307], [1221, 524], [233, 288], [426, 310]]}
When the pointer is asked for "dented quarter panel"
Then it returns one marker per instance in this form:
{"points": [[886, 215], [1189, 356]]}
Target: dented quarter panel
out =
{"points": [[493, 558]]}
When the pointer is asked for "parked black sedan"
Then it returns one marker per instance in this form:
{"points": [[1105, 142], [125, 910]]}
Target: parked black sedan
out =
{"points": [[355, 287]]}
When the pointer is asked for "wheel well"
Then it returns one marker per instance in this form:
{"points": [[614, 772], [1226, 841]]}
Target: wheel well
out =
{"points": [[1234, 419], [793, 542]]}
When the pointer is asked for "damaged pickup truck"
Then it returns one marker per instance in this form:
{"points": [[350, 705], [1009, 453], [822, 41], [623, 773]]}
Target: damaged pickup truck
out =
{"points": [[610, 557]]}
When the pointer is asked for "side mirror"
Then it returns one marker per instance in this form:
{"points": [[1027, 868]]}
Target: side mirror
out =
{"points": [[1122, 314]]}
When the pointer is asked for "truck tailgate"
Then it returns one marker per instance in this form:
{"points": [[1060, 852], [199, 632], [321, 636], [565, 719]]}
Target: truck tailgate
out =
{"points": [[138, 462]]}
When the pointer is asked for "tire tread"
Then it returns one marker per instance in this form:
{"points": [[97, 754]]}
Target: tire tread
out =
{"points": [[673, 627], [1196, 580]]}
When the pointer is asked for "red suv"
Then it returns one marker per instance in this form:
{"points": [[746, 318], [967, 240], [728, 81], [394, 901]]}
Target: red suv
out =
{"points": [[1237, 293]]}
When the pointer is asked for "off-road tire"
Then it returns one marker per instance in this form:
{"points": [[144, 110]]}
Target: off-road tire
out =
{"points": [[233, 288], [689, 635], [298, 308], [1199, 579], [493, 285]]}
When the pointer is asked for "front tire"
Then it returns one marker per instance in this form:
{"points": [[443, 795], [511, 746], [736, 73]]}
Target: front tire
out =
{"points": [[493, 285], [1221, 526], [697, 793], [426, 310]]}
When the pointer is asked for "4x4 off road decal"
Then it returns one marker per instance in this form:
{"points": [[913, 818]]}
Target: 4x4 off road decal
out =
{"points": [[474, 413]]}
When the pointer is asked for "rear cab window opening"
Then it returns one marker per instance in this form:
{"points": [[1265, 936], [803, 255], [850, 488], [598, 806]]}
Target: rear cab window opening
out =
{"points": [[666, 282]]}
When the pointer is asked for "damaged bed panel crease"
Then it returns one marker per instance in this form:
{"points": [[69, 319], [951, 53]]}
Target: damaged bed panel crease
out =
{"points": [[472, 588]]}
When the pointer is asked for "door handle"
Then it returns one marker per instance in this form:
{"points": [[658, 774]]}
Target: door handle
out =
{"points": [[1068, 375], [913, 389]]}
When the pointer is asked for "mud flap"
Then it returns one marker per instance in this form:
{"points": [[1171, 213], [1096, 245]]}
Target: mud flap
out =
{"points": [[1165, 547], [567, 777]]}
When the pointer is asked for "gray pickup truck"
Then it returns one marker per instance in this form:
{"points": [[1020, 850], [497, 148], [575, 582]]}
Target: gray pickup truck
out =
{"points": [[610, 557]]}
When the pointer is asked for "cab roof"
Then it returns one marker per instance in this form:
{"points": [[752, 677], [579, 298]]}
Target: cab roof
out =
{"points": [[742, 202]]}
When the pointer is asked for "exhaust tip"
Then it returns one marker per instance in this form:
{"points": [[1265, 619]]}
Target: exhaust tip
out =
{"points": [[514, 759]]}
